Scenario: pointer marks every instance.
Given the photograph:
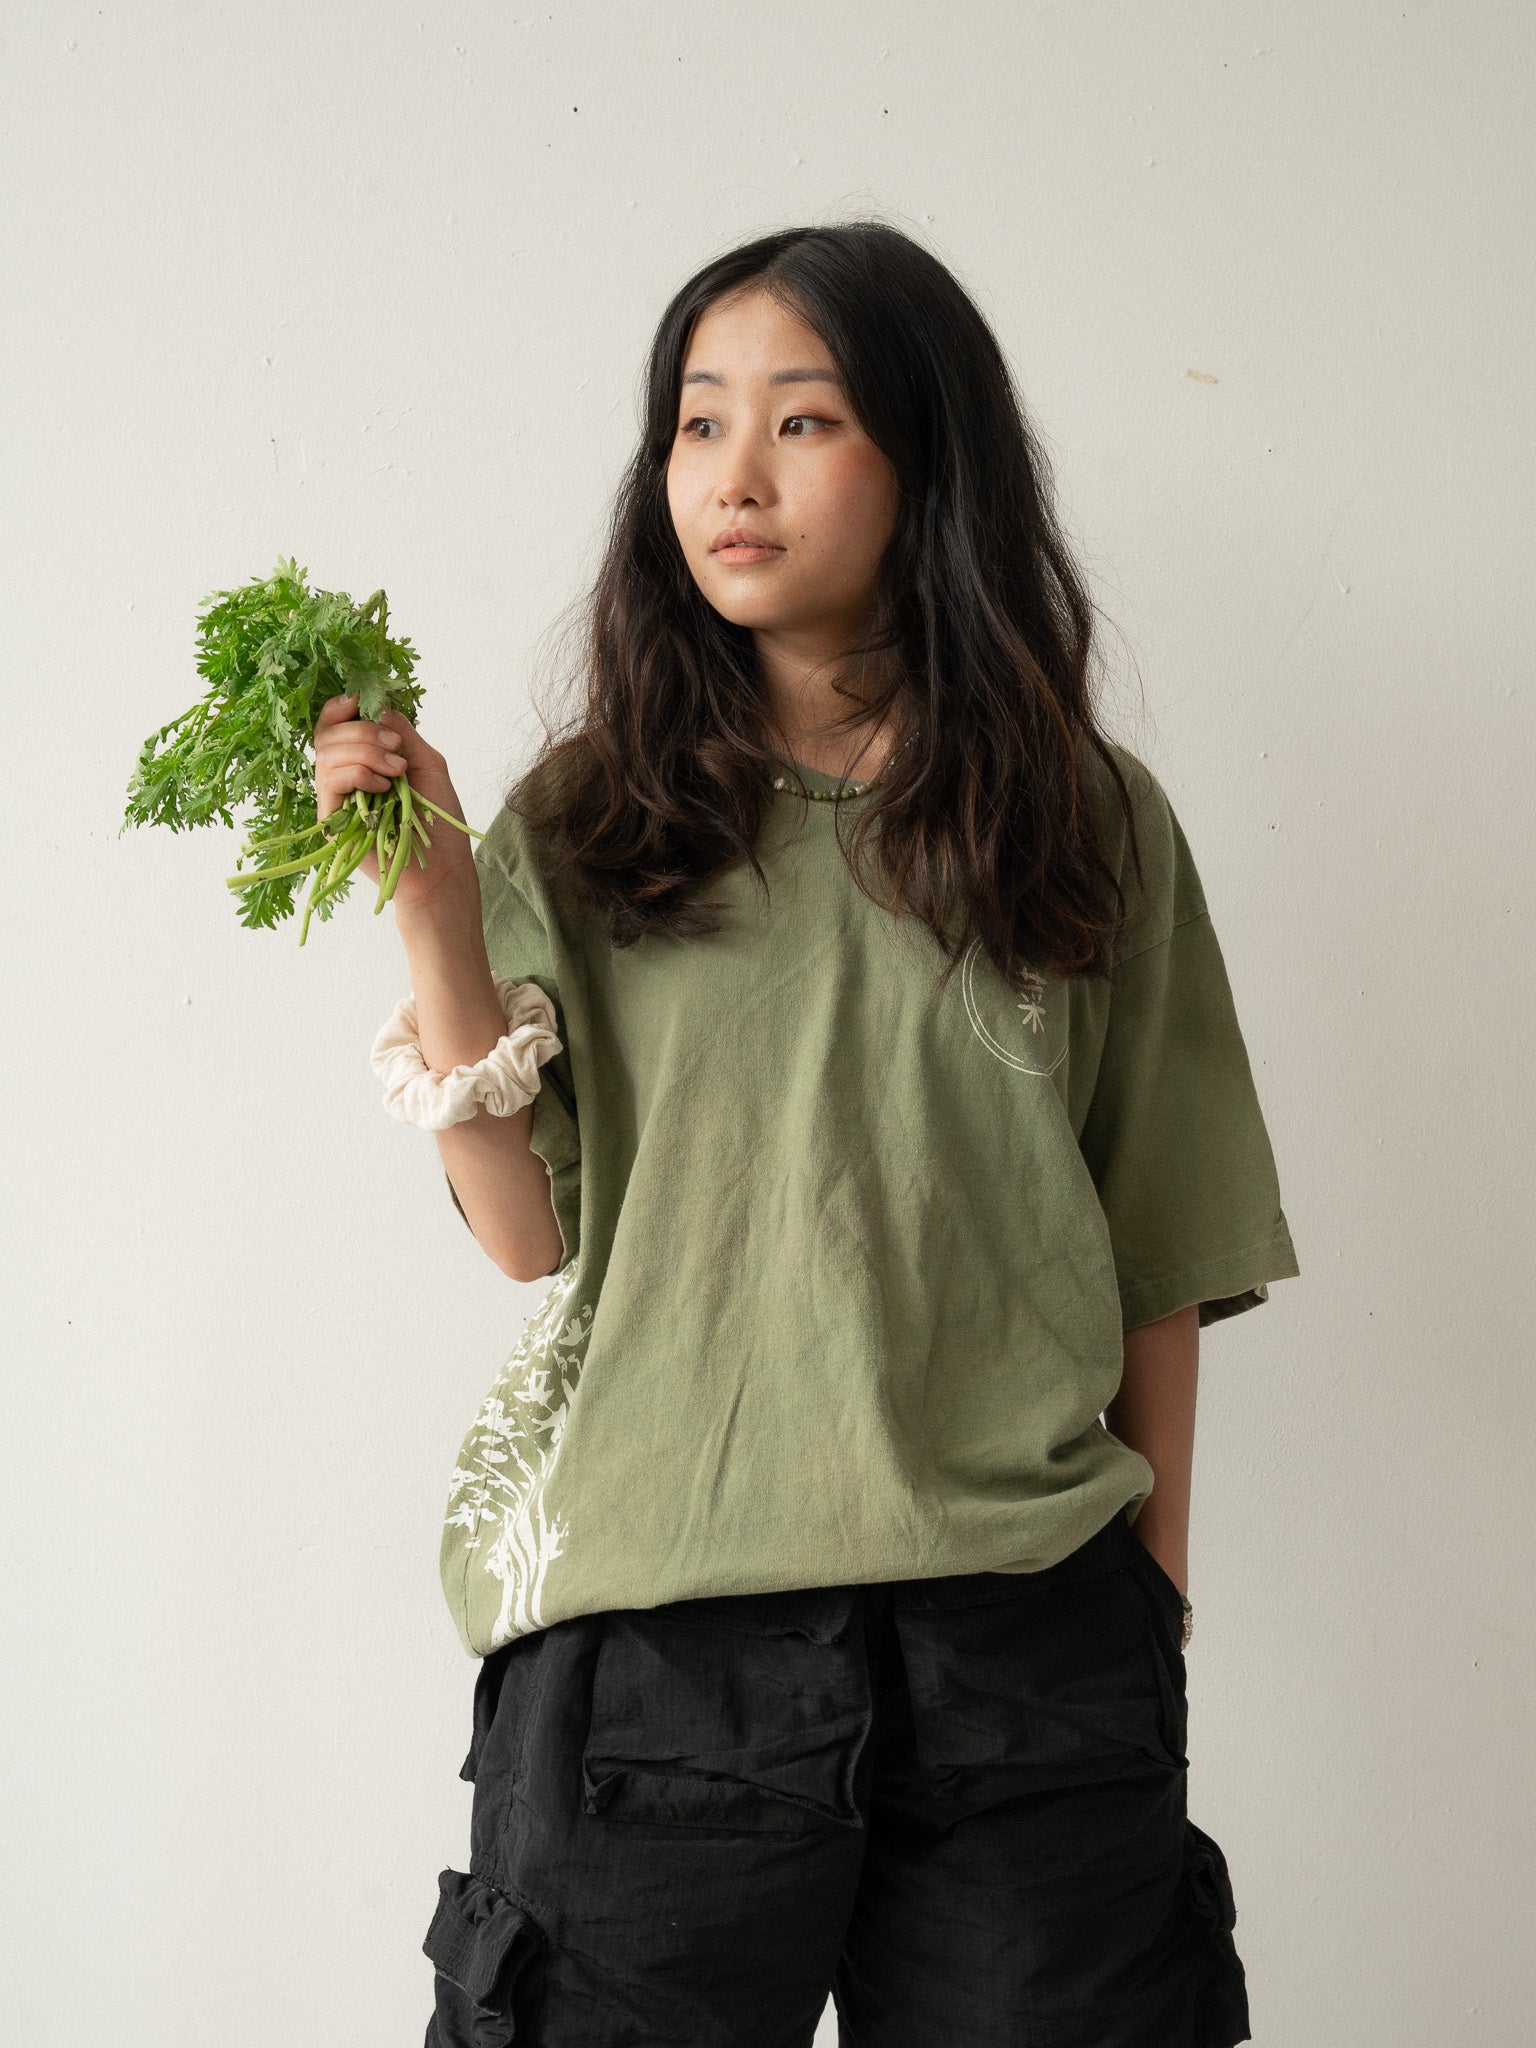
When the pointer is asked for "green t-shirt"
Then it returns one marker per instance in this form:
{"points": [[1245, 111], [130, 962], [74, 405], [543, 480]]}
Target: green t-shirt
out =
{"points": [[848, 1260]]}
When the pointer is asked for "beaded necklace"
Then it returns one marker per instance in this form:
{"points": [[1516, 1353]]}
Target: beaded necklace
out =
{"points": [[846, 789], [824, 795]]}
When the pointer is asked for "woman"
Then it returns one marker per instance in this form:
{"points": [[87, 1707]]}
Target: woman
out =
{"points": [[835, 1012]]}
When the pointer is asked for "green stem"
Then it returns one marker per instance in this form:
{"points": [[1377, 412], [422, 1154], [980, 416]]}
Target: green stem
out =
{"points": [[361, 848], [288, 867], [350, 849], [403, 848], [343, 848], [322, 885], [310, 902], [470, 829], [282, 838], [382, 847], [386, 854]]}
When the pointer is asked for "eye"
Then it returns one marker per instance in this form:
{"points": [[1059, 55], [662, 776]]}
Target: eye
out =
{"points": [[699, 421], [799, 424]]}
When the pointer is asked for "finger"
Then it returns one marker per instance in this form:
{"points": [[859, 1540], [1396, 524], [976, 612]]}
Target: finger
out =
{"points": [[334, 791], [335, 709], [378, 735], [339, 765], [360, 775], [356, 743], [354, 728], [373, 752]]}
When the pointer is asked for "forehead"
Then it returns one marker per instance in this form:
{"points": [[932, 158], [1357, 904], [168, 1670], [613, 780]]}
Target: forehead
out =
{"points": [[752, 335]]}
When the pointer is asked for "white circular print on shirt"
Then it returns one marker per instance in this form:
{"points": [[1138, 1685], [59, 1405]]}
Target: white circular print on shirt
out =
{"points": [[1027, 1032]]}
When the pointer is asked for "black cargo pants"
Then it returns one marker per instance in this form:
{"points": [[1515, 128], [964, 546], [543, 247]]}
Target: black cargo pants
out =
{"points": [[957, 1804]]}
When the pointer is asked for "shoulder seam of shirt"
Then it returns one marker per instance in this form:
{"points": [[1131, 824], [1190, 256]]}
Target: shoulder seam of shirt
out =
{"points": [[512, 877], [1125, 959]]}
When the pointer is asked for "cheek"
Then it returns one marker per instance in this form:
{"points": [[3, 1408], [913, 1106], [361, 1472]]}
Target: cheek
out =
{"points": [[687, 502], [853, 498]]}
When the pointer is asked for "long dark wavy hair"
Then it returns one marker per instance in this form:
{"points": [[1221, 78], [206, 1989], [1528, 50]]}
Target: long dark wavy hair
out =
{"points": [[982, 818]]}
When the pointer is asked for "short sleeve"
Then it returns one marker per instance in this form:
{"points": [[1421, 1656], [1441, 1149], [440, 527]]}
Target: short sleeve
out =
{"points": [[516, 919], [1174, 1135]]}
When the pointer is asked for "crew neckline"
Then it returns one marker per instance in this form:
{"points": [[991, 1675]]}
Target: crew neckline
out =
{"points": [[819, 778]]}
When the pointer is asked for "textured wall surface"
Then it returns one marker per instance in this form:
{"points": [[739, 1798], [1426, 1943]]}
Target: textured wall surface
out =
{"points": [[371, 285]]}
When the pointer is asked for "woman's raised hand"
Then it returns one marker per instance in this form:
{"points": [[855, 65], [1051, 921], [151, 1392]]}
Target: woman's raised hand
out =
{"points": [[353, 753]]}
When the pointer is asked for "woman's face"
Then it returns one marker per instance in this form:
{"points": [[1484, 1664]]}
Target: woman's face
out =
{"points": [[782, 503]]}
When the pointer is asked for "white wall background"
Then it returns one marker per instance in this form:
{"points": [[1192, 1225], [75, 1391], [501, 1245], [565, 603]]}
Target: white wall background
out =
{"points": [[371, 285]]}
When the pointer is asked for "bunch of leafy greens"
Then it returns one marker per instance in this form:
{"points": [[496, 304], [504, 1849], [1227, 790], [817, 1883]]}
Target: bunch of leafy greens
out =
{"points": [[274, 651]]}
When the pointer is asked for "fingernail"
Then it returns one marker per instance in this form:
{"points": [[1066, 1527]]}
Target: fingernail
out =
{"points": [[395, 760]]}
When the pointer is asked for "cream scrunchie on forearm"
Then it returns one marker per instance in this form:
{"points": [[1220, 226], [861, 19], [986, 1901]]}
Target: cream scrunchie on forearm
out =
{"points": [[505, 1080]]}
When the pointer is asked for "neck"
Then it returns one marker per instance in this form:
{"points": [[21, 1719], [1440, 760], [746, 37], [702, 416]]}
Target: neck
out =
{"points": [[838, 733]]}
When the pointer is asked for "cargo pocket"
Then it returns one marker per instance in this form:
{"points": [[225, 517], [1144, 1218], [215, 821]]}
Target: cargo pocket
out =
{"points": [[487, 1691], [505, 1687], [481, 1945], [1028, 1680], [1221, 2006], [739, 1712]]}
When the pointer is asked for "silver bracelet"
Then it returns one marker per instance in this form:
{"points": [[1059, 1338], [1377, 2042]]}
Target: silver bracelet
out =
{"points": [[505, 1081]]}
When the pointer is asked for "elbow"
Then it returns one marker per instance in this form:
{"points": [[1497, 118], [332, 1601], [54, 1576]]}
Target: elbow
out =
{"points": [[527, 1265], [521, 1270]]}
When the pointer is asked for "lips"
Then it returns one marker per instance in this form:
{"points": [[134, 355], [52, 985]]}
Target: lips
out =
{"points": [[741, 544]]}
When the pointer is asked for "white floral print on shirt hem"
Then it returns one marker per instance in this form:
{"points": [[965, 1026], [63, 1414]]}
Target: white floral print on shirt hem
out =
{"points": [[499, 1486]]}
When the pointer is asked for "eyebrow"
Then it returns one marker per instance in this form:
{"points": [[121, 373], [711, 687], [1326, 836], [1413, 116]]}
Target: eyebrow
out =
{"points": [[778, 377]]}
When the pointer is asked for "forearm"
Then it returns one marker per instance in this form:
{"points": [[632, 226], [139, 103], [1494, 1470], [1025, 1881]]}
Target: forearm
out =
{"points": [[1154, 1413], [501, 1183]]}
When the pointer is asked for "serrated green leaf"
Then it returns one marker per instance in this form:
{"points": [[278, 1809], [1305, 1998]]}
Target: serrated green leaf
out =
{"points": [[272, 651]]}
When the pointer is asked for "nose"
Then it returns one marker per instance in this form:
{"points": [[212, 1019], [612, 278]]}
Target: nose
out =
{"points": [[748, 481]]}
